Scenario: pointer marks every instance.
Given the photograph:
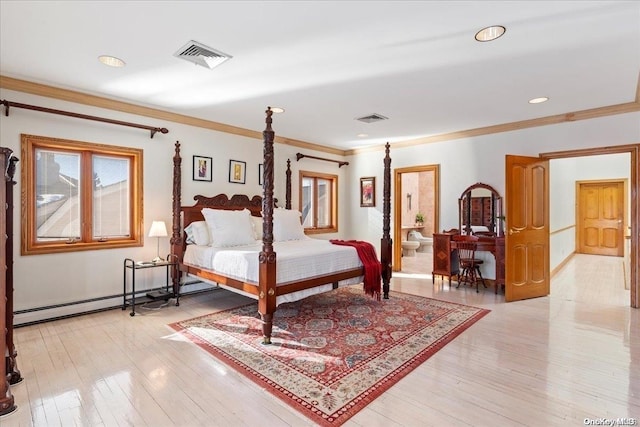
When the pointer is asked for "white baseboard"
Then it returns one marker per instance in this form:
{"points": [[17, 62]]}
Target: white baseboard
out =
{"points": [[76, 309]]}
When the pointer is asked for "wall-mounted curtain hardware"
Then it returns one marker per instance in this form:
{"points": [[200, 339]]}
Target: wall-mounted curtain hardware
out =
{"points": [[339, 162], [8, 104]]}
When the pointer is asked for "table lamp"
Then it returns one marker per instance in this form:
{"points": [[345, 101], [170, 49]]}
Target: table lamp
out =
{"points": [[158, 229]]}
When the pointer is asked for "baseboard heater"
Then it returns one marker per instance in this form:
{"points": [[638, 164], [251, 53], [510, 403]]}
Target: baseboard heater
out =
{"points": [[37, 315]]}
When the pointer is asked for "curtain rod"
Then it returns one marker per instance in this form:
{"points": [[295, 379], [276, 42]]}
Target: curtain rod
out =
{"points": [[340, 163], [8, 104]]}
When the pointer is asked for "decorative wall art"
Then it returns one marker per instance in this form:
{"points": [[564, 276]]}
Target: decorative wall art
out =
{"points": [[202, 168], [368, 191], [237, 171]]}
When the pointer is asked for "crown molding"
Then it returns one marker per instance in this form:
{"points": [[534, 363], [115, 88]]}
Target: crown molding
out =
{"points": [[111, 104], [592, 113], [39, 89]]}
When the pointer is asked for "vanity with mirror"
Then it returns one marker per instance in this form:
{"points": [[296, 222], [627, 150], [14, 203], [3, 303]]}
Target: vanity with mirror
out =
{"points": [[479, 214], [480, 211]]}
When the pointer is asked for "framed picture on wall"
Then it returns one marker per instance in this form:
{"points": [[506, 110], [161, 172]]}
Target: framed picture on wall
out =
{"points": [[260, 173], [202, 168], [237, 171], [368, 191]]}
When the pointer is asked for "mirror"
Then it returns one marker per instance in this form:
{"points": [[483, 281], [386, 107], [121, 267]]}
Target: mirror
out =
{"points": [[480, 209]]}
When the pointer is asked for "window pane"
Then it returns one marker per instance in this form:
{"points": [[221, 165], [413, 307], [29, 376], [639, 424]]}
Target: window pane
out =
{"points": [[110, 197], [79, 196], [57, 195], [324, 202], [307, 202]]}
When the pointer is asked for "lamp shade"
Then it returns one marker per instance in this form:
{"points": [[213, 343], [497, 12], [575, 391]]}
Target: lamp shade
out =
{"points": [[158, 229]]}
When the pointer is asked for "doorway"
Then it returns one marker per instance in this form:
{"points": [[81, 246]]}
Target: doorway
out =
{"points": [[416, 191], [632, 237]]}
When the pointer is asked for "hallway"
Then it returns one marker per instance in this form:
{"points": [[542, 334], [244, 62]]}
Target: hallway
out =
{"points": [[589, 279]]}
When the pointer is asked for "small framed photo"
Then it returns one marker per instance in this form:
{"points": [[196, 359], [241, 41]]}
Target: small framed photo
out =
{"points": [[368, 191], [202, 168], [237, 171], [260, 173]]}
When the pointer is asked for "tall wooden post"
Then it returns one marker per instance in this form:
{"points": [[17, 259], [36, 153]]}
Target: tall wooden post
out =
{"points": [[7, 402], [386, 243], [176, 240], [267, 257], [12, 354]]}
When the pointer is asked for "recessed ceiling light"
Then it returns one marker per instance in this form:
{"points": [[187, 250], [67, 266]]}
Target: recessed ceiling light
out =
{"points": [[490, 33], [111, 61], [538, 100], [277, 110]]}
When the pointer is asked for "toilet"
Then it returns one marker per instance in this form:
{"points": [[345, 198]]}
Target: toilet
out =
{"points": [[409, 247], [426, 243]]}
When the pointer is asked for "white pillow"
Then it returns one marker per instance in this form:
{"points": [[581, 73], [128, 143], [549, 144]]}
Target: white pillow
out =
{"points": [[256, 221], [476, 228], [287, 225], [229, 228], [198, 233]]}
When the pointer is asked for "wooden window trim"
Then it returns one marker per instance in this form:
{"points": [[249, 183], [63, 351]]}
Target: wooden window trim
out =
{"points": [[29, 246], [334, 201]]}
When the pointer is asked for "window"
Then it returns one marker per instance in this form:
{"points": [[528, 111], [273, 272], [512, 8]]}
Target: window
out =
{"points": [[79, 196], [319, 202]]}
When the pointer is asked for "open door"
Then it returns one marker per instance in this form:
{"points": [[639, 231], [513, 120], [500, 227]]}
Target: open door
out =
{"points": [[527, 228]]}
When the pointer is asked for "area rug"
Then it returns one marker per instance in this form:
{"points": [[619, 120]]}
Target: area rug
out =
{"points": [[332, 353]]}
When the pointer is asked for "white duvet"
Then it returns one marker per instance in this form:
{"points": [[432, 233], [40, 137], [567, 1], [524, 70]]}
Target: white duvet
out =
{"points": [[296, 260]]}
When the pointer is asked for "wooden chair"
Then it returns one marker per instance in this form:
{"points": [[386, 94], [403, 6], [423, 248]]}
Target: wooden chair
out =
{"points": [[469, 264]]}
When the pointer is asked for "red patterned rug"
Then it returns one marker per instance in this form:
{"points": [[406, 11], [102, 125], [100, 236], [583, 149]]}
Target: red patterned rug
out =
{"points": [[332, 353]]}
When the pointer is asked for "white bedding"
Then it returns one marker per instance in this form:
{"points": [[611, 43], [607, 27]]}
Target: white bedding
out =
{"points": [[296, 260]]}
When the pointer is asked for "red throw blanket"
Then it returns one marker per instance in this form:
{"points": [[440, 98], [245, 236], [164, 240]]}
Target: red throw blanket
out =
{"points": [[372, 267]]}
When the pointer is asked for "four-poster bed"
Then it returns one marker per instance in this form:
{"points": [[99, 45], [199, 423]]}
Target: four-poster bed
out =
{"points": [[264, 279]]}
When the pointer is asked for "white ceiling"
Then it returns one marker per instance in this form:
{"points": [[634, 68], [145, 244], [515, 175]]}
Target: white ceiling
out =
{"points": [[327, 63]]}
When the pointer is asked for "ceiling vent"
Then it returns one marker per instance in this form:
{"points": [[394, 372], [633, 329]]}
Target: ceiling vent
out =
{"points": [[371, 118], [201, 55]]}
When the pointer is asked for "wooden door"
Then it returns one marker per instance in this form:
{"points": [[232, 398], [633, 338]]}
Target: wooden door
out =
{"points": [[601, 218], [527, 228]]}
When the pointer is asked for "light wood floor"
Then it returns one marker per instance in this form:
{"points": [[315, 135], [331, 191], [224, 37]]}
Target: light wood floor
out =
{"points": [[550, 361]]}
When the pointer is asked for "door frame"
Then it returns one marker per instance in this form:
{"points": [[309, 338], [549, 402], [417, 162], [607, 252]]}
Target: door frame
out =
{"points": [[397, 204], [634, 151]]}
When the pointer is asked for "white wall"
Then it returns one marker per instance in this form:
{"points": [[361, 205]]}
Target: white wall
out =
{"points": [[44, 280], [52, 279], [482, 159]]}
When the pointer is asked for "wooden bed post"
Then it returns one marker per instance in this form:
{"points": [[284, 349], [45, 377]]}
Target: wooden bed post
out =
{"points": [[177, 245], [386, 244], [287, 204], [12, 365], [7, 401], [267, 278]]}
